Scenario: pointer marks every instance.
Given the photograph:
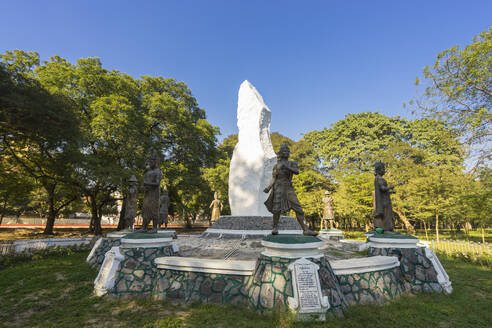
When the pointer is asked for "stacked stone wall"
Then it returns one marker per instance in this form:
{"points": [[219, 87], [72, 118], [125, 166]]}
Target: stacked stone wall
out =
{"points": [[271, 284], [417, 270], [136, 274], [372, 287], [187, 287]]}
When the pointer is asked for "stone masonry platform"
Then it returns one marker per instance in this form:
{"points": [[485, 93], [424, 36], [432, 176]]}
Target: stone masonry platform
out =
{"points": [[229, 226]]}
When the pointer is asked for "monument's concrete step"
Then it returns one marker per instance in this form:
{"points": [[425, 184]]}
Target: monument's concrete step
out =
{"points": [[229, 226]]}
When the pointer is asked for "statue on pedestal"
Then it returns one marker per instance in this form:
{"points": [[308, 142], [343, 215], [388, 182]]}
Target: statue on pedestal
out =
{"points": [[283, 197], [216, 207], [163, 210], [131, 203], [328, 215], [152, 180], [383, 210]]}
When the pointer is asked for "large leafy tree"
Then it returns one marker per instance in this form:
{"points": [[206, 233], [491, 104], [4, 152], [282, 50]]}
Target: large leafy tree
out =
{"points": [[122, 120], [38, 133], [459, 90], [421, 156]]}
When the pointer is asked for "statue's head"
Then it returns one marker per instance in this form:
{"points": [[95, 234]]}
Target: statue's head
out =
{"points": [[164, 191], [154, 160], [132, 180], [327, 192], [216, 195], [379, 168], [284, 151]]}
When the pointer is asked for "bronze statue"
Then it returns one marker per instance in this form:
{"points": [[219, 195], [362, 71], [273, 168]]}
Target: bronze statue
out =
{"points": [[163, 209], [216, 207], [282, 197], [328, 215], [383, 211], [131, 203], [152, 180]]}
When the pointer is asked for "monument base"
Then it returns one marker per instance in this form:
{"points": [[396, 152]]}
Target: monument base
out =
{"points": [[331, 234], [228, 226]]}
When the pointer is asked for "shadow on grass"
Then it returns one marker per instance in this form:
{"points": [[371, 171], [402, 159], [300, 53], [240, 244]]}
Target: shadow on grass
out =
{"points": [[57, 292]]}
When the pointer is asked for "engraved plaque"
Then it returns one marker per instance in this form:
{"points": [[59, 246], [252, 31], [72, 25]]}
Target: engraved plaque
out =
{"points": [[307, 287]]}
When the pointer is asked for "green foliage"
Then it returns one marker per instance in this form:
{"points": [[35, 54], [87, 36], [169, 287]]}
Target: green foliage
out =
{"points": [[459, 90], [106, 125]]}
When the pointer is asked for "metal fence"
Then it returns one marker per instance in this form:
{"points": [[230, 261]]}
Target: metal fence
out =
{"points": [[461, 247]]}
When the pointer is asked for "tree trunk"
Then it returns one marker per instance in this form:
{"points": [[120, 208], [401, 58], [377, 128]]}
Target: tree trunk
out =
{"points": [[51, 215], [121, 222], [92, 226], [437, 226], [4, 206], [408, 226], [425, 229], [483, 233]]}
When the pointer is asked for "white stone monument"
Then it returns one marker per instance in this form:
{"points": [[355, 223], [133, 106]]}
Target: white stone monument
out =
{"points": [[253, 158], [308, 298]]}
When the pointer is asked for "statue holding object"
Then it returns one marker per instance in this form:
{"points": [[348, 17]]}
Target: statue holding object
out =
{"points": [[152, 180], [282, 197], [383, 210]]}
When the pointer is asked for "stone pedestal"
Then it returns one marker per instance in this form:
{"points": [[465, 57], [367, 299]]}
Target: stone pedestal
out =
{"points": [[102, 246], [331, 234], [135, 275], [292, 272], [420, 267]]}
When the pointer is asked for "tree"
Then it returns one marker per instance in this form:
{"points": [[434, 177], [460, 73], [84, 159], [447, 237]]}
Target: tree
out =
{"points": [[352, 143], [459, 90], [38, 130]]}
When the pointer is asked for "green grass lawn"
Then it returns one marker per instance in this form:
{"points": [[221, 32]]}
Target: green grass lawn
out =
{"points": [[57, 292], [474, 235]]}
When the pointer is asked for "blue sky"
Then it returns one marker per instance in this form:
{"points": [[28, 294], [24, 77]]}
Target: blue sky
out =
{"points": [[312, 61]]}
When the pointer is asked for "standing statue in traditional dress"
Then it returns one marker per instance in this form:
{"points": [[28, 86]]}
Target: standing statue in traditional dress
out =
{"points": [[282, 197], [216, 207], [131, 203], [383, 211], [164, 206], [152, 180], [328, 215]]}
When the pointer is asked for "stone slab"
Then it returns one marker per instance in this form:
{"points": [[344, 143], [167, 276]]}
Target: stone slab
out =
{"points": [[193, 264], [106, 277], [365, 264], [307, 290]]}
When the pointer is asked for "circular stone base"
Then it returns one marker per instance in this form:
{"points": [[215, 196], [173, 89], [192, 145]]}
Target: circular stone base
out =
{"points": [[292, 246], [392, 240], [145, 240], [117, 234]]}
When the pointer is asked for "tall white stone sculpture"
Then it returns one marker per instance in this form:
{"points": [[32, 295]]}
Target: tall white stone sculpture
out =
{"points": [[253, 158]]}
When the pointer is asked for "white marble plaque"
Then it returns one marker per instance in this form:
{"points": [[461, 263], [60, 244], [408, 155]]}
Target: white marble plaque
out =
{"points": [[307, 290], [107, 274], [307, 287]]}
